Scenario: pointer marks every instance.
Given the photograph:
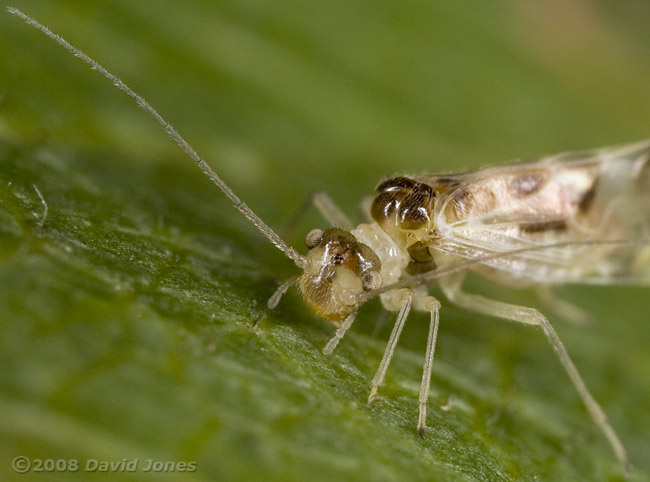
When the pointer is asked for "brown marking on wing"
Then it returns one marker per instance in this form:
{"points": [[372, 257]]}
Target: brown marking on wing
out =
{"points": [[469, 200], [527, 183], [556, 225], [588, 198], [463, 201]]}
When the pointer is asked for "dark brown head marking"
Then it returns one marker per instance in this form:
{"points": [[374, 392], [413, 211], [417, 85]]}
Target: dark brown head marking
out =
{"points": [[338, 268]]}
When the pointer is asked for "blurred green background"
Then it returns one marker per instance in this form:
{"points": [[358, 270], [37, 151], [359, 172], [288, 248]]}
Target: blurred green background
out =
{"points": [[132, 316]]}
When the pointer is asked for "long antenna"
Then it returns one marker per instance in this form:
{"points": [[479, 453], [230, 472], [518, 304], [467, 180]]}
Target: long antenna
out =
{"points": [[241, 206]]}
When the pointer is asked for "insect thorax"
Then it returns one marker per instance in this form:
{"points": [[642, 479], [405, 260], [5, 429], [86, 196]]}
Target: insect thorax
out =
{"points": [[403, 208]]}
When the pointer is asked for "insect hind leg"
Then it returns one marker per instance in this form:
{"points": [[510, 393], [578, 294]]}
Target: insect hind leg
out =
{"points": [[561, 307], [530, 316]]}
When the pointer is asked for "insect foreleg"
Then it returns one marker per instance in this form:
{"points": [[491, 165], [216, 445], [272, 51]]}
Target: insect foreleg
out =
{"points": [[280, 292], [531, 316], [340, 333], [405, 298]]}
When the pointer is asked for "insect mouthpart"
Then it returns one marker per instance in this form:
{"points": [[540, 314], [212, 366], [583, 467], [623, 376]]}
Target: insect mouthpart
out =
{"points": [[338, 269]]}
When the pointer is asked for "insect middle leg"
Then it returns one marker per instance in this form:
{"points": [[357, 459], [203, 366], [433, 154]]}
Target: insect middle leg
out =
{"points": [[451, 287]]}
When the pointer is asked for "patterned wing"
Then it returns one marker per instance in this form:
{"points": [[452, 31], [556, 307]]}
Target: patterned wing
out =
{"points": [[600, 195]]}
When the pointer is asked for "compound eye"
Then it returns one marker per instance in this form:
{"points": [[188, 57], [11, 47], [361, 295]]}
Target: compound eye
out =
{"points": [[371, 280], [313, 238]]}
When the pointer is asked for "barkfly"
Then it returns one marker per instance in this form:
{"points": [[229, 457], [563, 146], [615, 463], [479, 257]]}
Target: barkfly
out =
{"points": [[571, 218]]}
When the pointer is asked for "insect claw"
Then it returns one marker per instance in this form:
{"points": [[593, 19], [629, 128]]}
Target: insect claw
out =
{"points": [[422, 419], [331, 345], [373, 394]]}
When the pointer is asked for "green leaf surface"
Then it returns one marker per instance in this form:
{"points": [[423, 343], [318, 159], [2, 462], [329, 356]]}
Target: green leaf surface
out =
{"points": [[133, 320]]}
